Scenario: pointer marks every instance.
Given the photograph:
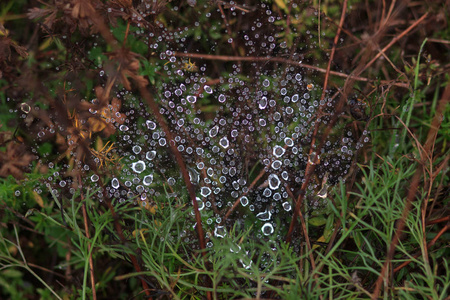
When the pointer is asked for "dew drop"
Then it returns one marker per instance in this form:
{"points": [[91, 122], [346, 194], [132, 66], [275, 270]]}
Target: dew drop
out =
{"points": [[274, 181], [264, 216], [244, 201], [25, 107], [205, 191], [138, 166], [276, 164], [220, 232], [191, 99], [224, 142], [222, 98], [150, 124], [213, 131], [115, 183], [200, 203], [263, 103], [313, 158], [137, 149], [286, 206], [147, 179], [289, 142], [208, 89], [278, 151], [150, 155], [267, 229]]}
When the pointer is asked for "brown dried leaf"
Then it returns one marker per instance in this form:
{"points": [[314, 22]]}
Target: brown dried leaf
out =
{"points": [[128, 67], [15, 160], [35, 12], [22, 51]]}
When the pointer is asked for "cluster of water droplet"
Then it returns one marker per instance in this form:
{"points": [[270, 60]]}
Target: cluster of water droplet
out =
{"points": [[263, 120]]}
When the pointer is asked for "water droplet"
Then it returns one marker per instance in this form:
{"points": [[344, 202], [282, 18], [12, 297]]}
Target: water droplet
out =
{"points": [[267, 229], [194, 176], [276, 164], [171, 181], [274, 181], [266, 82], [94, 178], [200, 203], [222, 98], [205, 191], [138, 166], [278, 151], [25, 107], [123, 128], [263, 103], [224, 142], [191, 99], [244, 201], [235, 248], [286, 206], [213, 131], [208, 89], [264, 216], [17, 193], [313, 158], [150, 124], [220, 232], [150, 155], [289, 142], [115, 183], [147, 179], [137, 149]]}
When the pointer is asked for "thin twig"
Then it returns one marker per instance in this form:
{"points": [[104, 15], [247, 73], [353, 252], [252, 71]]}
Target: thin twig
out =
{"points": [[394, 40], [91, 261], [286, 61], [333, 49]]}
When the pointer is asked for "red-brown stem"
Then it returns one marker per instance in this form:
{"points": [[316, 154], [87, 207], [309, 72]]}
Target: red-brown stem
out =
{"points": [[333, 49], [91, 261], [88, 236], [173, 147], [285, 61]]}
